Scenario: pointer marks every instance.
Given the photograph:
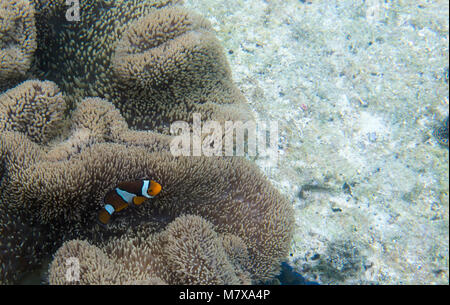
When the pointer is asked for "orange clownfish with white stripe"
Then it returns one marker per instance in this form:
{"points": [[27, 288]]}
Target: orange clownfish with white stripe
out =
{"points": [[124, 194]]}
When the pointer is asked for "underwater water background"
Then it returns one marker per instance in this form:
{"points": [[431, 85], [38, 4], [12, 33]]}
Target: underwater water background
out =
{"points": [[358, 88]]}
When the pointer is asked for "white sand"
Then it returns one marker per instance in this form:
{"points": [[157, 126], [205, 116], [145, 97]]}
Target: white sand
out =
{"points": [[357, 88]]}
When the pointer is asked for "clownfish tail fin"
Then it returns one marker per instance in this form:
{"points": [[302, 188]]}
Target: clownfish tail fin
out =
{"points": [[105, 213], [104, 216]]}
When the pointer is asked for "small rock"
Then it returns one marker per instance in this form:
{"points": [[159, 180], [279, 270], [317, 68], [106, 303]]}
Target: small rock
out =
{"points": [[372, 136]]}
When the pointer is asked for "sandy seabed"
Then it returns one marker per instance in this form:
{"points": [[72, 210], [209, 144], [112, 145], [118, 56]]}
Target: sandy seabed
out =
{"points": [[357, 88]]}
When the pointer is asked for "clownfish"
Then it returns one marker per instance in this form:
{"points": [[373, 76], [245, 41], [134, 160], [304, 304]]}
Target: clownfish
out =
{"points": [[126, 193]]}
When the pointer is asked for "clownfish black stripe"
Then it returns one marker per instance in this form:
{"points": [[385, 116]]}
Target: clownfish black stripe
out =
{"points": [[124, 194]]}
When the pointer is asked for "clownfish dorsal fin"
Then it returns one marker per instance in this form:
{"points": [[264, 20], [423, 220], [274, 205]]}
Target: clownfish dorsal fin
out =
{"points": [[131, 187]]}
